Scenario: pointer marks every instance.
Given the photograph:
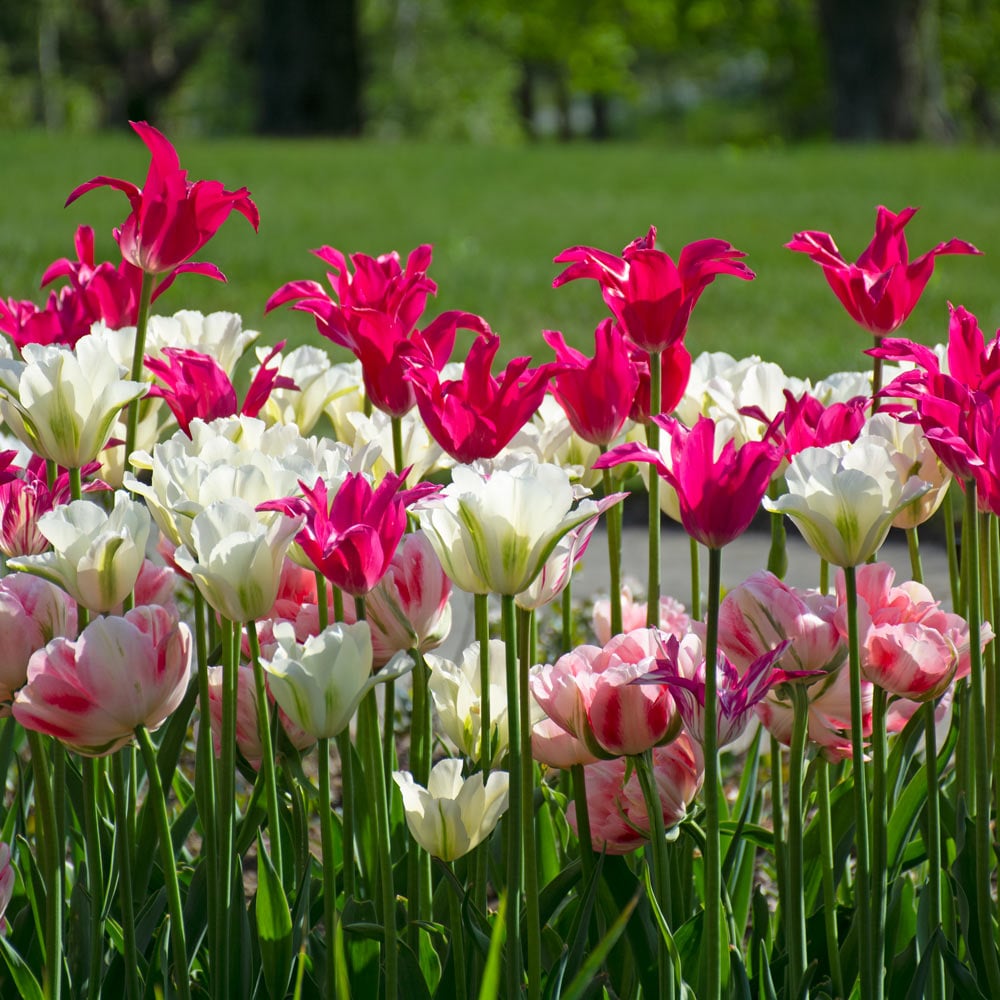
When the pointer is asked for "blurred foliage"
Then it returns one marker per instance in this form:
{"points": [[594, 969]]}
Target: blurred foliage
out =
{"points": [[747, 72]]}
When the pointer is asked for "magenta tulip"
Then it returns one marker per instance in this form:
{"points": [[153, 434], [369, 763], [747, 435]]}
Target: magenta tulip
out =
{"points": [[172, 218], [882, 288]]}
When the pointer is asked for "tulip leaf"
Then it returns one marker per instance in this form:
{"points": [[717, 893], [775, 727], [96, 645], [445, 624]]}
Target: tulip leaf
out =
{"points": [[489, 986], [274, 926], [21, 975], [583, 980]]}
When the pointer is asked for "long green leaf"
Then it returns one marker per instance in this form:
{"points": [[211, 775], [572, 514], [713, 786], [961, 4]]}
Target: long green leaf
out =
{"points": [[489, 987], [274, 926], [23, 978], [583, 980]]}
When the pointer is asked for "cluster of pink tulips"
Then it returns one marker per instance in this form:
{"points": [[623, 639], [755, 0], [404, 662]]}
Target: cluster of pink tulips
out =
{"points": [[211, 597]]}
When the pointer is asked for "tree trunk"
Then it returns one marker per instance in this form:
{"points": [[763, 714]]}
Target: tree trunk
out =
{"points": [[876, 71], [310, 68]]}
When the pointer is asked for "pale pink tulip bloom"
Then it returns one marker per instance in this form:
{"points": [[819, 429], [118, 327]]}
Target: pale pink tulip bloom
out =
{"points": [[674, 619], [553, 746], [121, 673]]}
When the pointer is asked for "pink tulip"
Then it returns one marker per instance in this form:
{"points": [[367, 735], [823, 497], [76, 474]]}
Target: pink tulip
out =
{"points": [[881, 290], [674, 619], [352, 537], [32, 613], [675, 364], [553, 746], [7, 881], [120, 673], [195, 386], [477, 415], [619, 820], [651, 297], [171, 218], [589, 693], [806, 423], [597, 394], [718, 494]]}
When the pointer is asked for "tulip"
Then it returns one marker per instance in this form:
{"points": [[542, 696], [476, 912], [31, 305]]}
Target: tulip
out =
{"points": [[120, 673], [674, 619], [589, 692], [219, 334], [320, 683], [597, 393], [844, 498], [63, 404], [553, 746], [476, 416], [315, 384], [882, 288], [236, 556], [32, 613], [493, 531], [450, 816], [652, 297], [96, 556], [171, 218], [7, 881]]}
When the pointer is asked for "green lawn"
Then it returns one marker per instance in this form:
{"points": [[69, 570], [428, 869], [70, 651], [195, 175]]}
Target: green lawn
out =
{"points": [[496, 218]]}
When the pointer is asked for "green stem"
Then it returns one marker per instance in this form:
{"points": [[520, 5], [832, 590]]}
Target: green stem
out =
{"points": [[51, 853], [138, 352], [862, 887], [345, 750], [824, 577], [579, 775], [937, 980], [533, 924], [169, 862], [515, 824], [226, 784], [829, 886], [613, 517], [795, 906], [695, 562], [481, 612], [267, 751], [124, 850], [329, 872], [95, 872], [653, 441], [948, 514], [387, 895], [984, 850], [397, 444], [880, 819], [876, 375], [417, 859], [567, 617], [777, 556], [714, 954], [457, 938], [913, 545]]}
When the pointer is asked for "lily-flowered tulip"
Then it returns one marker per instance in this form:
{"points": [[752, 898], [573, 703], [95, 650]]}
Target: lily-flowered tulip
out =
{"points": [[597, 393], [451, 816], [682, 668], [552, 746], [172, 218], [196, 386], [32, 613], [352, 536], [219, 334], [652, 297], [63, 403], [120, 673], [882, 288], [493, 531], [619, 822], [96, 556], [674, 619], [477, 415], [844, 498], [719, 490], [7, 881], [589, 692], [236, 557], [320, 683]]}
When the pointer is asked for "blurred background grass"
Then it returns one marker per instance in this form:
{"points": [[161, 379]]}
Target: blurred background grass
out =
{"points": [[498, 215]]}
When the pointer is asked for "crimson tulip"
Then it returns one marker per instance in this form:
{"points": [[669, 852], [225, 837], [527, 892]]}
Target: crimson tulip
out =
{"points": [[172, 218], [652, 297], [882, 288]]}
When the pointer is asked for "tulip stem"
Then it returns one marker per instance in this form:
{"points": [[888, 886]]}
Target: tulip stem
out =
{"points": [[714, 954], [614, 522], [176, 910], [138, 357], [795, 906], [533, 926], [829, 888], [95, 873], [954, 578], [862, 882], [933, 845], [345, 750], [984, 850], [227, 802], [777, 556], [515, 826], [913, 545], [387, 899], [880, 819], [653, 442], [329, 872], [51, 865], [579, 775], [695, 562], [266, 750], [124, 847], [457, 936]]}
